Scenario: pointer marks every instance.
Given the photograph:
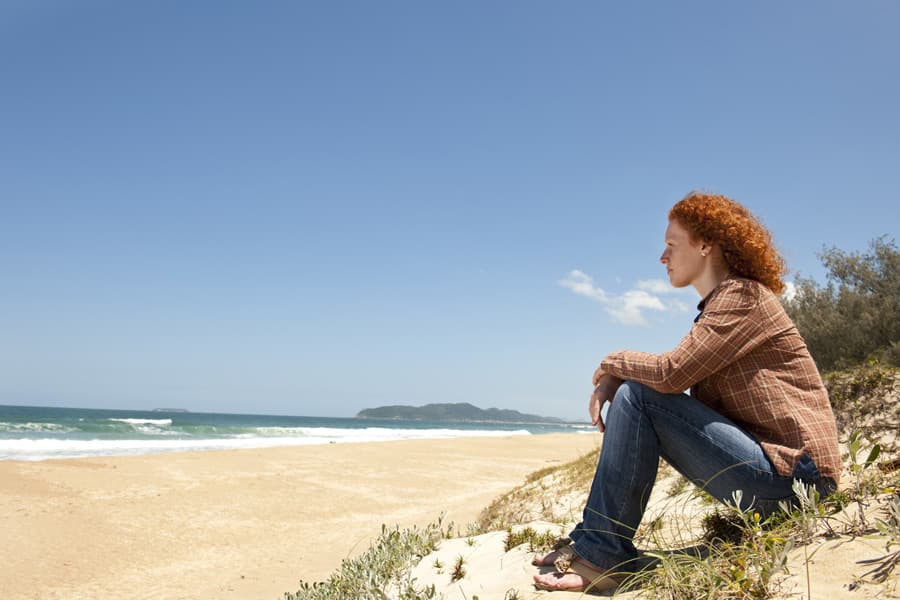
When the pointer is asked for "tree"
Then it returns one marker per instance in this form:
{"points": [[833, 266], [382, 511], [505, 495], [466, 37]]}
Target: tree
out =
{"points": [[857, 314]]}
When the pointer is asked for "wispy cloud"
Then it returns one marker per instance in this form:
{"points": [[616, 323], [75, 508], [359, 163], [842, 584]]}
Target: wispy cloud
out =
{"points": [[627, 308], [790, 291]]}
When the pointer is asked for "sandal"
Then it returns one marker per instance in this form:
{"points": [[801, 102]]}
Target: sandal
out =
{"points": [[594, 579], [561, 548]]}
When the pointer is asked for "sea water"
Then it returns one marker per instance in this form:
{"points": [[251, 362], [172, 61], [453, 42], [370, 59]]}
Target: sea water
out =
{"points": [[39, 433]]}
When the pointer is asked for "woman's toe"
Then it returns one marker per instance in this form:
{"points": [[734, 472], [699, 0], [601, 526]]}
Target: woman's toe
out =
{"points": [[560, 581], [545, 560]]}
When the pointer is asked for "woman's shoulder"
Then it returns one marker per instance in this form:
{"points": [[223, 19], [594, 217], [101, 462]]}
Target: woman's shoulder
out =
{"points": [[746, 295], [738, 290]]}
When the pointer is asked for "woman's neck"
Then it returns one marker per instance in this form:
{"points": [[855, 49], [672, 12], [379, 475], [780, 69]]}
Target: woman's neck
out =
{"points": [[715, 273]]}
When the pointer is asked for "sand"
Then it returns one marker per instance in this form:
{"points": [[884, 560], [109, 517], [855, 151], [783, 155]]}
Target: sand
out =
{"points": [[831, 567], [492, 573], [240, 524]]}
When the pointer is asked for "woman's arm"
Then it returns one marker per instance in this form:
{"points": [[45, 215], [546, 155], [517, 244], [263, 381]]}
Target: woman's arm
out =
{"points": [[732, 324]]}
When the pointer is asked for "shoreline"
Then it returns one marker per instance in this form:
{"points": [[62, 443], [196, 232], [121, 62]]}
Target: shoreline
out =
{"points": [[242, 523], [38, 433]]}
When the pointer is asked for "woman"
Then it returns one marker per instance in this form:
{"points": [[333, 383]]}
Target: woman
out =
{"points": [[757, 416]]}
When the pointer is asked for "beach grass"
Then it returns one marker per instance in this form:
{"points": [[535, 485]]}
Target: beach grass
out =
{"points": [[382, 568]]}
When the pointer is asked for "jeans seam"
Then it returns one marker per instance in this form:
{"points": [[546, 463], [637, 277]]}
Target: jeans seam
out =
{"points": [[621, 507]]}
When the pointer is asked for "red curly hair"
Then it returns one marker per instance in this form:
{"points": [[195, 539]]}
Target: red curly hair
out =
{"points": [[745, 242]]}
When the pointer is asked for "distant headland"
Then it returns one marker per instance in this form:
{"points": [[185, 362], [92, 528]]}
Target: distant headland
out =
{"points": [[461, 411]]}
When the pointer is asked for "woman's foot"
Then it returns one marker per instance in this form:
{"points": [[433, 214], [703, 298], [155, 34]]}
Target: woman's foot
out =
{"points": [[561, 582], [580, 576], [561, 548], [545, 560]]}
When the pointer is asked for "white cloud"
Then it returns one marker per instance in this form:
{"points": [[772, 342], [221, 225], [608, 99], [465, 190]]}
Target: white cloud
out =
{"points": [[790, 291], [629, 307], [583, 285]]}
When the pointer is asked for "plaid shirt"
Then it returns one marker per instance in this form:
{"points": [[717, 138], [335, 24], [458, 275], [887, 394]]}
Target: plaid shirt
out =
{"points": [[745, 359]]}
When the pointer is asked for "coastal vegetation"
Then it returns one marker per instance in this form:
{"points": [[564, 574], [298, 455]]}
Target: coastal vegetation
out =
{"points": [[384, 566], [855, 316]]}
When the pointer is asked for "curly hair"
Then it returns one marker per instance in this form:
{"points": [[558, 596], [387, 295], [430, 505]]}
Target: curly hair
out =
{"points": [[745, 242]]}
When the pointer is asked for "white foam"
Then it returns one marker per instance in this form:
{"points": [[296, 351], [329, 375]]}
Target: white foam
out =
{"points": [[380, 434], [34, 427], [43, 449], [157, 422]]}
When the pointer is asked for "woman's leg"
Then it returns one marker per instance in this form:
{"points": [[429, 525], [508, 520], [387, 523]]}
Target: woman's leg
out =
{"points": [[643, 425]]}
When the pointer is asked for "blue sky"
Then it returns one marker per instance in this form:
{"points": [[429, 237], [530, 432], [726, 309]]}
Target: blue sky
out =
{"points": [[316, 207]]}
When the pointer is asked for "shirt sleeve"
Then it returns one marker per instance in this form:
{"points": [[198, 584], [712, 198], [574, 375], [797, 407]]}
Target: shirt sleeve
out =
{"points": [[728, 329]]}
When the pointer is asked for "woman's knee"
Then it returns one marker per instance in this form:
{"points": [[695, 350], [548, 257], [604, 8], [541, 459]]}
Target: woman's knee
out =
{"points": [[630, 392], [628, 397], [633, 397]]}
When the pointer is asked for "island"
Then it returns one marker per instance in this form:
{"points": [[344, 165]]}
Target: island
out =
{"points": [[460, 411]]}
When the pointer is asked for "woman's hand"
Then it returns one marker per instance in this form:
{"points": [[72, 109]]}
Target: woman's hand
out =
{"points": [[606, 386]]}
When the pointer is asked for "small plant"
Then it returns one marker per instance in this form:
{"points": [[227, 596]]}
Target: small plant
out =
{"points": [[511, 594], [704, 497], [809, 513], [385, 564], [890, 528], [448, 533], [438, 565], [470, 541], [527, 502], [537, 542], [678, 486], [863, 486], [723, 527], [743, 560], [459, 570]]}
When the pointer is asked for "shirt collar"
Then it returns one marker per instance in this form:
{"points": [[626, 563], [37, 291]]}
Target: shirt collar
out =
{"points": [[700, 307]]}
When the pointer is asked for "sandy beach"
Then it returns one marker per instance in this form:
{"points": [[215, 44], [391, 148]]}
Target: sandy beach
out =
{"points": [[240, 524]]}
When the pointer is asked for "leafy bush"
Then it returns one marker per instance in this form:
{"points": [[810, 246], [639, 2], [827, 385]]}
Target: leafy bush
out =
{"points": [[857, 313]]}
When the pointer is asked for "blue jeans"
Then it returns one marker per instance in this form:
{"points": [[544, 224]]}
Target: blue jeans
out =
{"points": [[643, 425]]}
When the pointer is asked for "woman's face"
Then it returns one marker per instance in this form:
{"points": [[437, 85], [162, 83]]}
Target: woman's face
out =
{"points": [[682, 257]]}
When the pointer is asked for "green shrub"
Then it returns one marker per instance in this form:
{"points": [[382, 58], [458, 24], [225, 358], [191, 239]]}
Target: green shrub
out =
{"points": [[857, 314]]}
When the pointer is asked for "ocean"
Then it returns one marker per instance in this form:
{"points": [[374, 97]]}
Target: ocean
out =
{"points": [[40, 433]]}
